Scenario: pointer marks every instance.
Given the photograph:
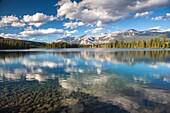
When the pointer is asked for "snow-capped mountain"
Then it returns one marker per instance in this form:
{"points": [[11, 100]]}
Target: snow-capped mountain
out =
{"points": [[128, 35]]}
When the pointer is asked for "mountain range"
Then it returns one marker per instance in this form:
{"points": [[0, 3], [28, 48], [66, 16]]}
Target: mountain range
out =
{"points": [[127, 35]]}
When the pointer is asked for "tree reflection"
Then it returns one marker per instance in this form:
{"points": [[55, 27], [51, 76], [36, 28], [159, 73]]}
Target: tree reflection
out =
{"points": [[120, 56]]}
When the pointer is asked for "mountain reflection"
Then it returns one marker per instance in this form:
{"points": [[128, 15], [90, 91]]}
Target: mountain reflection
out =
{"points": [[134, 80], [140, 66], [119, 91]]}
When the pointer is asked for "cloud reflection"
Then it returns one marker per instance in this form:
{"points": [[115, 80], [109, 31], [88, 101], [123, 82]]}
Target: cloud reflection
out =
{"points": [[42, 65]]}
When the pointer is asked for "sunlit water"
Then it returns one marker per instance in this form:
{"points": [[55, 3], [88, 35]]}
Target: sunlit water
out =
{"points": [[120, 80]]}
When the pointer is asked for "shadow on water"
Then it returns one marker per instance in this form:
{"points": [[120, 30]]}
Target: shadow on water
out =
{"points": [[49, 97]]}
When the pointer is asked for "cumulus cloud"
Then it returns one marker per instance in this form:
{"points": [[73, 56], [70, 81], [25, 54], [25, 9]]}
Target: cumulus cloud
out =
{"points": [[69, 33], [99, 23], [38, 19], [18, 24], [41, 32], [96, 30], [73, 24], [72, 32], [106, 11], [32, 33], [29, 32], [164, 17], [156, 27], [8, 35], [2, 25], [11, 21], [143, 4], [86, 31], [29, 28], [143, 14]]}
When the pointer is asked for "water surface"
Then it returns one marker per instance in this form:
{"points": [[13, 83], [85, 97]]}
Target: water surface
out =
{"points": [[85, 80]]}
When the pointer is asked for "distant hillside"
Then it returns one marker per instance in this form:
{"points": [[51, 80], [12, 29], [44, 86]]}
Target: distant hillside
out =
{"points": [[128, 35], [7, 43]]}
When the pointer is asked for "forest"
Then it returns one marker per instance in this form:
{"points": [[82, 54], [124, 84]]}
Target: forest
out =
{"points": [[13, 44], [6, 43], [21, 44], [152, 43]]}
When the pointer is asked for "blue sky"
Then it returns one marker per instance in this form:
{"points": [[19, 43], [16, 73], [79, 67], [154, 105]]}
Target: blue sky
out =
{"points": [[48, 20]]}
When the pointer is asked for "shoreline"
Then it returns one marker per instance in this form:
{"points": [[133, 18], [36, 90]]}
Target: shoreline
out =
{"points": [[85, 49]]}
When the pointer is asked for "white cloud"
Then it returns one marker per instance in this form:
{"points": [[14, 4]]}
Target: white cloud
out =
{"points": [[99, 23], [143, 14], [156, 27], [29, 28], [38, 19], [97, 30], [29, 32], [86, 31], [2, 25], [18, 24], [143, 4], [69, 33], [73, 24], [106, 11], [164, 17], [8, 35], [72, 32], [32, 33], [11, 21], [40, 32]]}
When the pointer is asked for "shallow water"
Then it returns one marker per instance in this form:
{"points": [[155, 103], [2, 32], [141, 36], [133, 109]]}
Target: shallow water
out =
{"points": [[85, 80]]}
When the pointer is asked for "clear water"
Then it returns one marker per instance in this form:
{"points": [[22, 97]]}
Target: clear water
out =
{"points": [[119, 80]]}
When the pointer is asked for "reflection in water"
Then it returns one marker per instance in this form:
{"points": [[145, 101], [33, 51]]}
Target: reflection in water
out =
{"points": [[30, 96], [137, 81], [121, 92]]}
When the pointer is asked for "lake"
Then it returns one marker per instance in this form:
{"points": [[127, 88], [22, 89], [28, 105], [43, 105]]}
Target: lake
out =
{"points": [[85, 80]]}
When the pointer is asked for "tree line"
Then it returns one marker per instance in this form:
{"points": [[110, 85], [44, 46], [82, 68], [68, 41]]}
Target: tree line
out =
{"points": [[13, 44], [21, 44], [6, 43], [152, 43]]}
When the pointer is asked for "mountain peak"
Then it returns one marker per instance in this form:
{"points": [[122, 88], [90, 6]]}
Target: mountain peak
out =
{"points": [[128, 35], [154, 30], [132, 30]]}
